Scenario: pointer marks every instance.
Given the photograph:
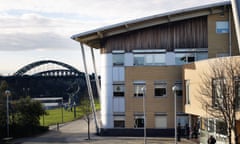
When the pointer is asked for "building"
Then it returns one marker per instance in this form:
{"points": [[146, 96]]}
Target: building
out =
{"points": [[141, 61]]}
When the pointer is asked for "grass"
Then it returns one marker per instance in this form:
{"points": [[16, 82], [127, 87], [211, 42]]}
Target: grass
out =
{"points": [[60, 115]]}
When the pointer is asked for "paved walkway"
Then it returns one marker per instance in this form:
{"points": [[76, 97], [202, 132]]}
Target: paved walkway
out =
{"points": [[76, 133]]}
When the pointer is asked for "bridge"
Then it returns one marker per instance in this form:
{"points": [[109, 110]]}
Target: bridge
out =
{"points": [[60, 69], [49, 78]]}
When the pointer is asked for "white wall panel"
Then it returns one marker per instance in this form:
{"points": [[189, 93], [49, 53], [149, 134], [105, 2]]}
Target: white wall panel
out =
{"points": [[106, 91], [128, 59], [118, 104], [118, 73]]}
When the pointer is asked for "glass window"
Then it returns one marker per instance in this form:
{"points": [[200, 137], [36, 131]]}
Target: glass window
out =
{"points": [[139, 90], [119, 121], [218, 92], [222, 27], [160, 89], [161, 121], [183, 58], [237, 87], [159, 59], [202, 55], [138, 59], [118, 59], [118, 90], [187, 85], [138, 121], [149, 59]]}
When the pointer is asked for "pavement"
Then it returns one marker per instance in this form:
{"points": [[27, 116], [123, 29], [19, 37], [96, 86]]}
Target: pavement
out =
{"points": [[76, 133]]}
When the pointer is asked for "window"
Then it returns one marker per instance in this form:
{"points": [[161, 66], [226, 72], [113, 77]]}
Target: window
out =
{"points": [[118, 58], [222, 27], [160, 89], [160, 120], [138, 121], [119, 121], [138, 59], [187, 85], [118, 90], [237, 90], [149, 59], [139, 88], [218, 92], [183, 56]]}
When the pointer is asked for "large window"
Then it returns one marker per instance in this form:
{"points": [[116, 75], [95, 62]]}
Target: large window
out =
{"points": [[139, 88], [183, 56], [149, 59], [118, 58], [160, 89], [118, 90], [160, 120], [222, 27], [219, 90]]}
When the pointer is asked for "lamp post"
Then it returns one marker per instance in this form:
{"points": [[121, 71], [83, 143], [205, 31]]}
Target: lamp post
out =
{"points": [[144, 113], [7, 93], [175, 111]]}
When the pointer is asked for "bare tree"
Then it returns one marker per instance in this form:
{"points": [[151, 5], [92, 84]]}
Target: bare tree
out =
{"points": [[219, 92], [85, 107]]}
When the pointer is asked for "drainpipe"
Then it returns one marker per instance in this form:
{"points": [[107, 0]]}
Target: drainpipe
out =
{"points": [[89, 88]]}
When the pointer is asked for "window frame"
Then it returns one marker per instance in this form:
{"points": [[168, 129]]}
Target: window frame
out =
{"points": [[123, 90], [118, 58], [162, 85]]}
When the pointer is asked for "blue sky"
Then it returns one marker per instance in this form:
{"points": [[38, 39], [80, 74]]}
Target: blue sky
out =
{"points": [[33, 30]]}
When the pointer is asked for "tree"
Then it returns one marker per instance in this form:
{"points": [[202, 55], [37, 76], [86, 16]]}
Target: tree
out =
{"points": [[3, 117], [28, 112], [86, 109], [220, 92]]}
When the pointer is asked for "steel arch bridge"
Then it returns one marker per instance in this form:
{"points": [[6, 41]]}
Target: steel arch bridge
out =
{"points": [[67, 70]]}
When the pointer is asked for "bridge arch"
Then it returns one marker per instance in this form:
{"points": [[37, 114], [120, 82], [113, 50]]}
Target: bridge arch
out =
{"points": [[67, 71]]}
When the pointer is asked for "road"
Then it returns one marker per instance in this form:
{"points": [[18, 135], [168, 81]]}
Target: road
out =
{"points": [[76, 133]]}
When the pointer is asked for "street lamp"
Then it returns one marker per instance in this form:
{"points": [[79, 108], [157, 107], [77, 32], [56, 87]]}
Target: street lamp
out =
{"points": [[174, 88], [7, 93], [144, 112]]}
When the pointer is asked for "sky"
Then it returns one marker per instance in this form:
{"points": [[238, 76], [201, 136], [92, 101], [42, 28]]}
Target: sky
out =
{"points": [[34, 30]]}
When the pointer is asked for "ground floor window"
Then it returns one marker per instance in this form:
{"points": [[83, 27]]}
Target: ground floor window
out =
{"points": [[119, 124], [139, 121], [119, 121], [160, 120]]}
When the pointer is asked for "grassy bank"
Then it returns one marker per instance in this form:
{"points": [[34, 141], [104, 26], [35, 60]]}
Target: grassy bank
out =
{"points": [[60, 115]]}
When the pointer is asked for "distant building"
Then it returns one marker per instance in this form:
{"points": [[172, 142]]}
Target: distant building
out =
{"points": [[145, 58]]}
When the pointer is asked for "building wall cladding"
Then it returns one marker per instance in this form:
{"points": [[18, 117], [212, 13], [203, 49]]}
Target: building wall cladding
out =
{"points": [[190, 33], [149, 74], [219, 43]]}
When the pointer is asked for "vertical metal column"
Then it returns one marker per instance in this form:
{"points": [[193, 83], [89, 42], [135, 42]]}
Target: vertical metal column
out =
{"points": [[96, 77], [89, 88], [236, 17]]}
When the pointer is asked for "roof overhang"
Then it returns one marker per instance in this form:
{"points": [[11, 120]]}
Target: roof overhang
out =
{"points": [[93, 38]]}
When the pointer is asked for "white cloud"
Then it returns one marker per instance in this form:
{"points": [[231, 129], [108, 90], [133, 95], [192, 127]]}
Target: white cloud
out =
{"points": [[47, 25]]}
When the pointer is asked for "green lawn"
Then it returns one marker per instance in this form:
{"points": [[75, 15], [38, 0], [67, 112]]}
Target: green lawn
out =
{"points": [[59, 115]]}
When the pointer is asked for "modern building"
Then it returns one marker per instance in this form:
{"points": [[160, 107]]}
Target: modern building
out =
{"points": [[142, 59]]}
